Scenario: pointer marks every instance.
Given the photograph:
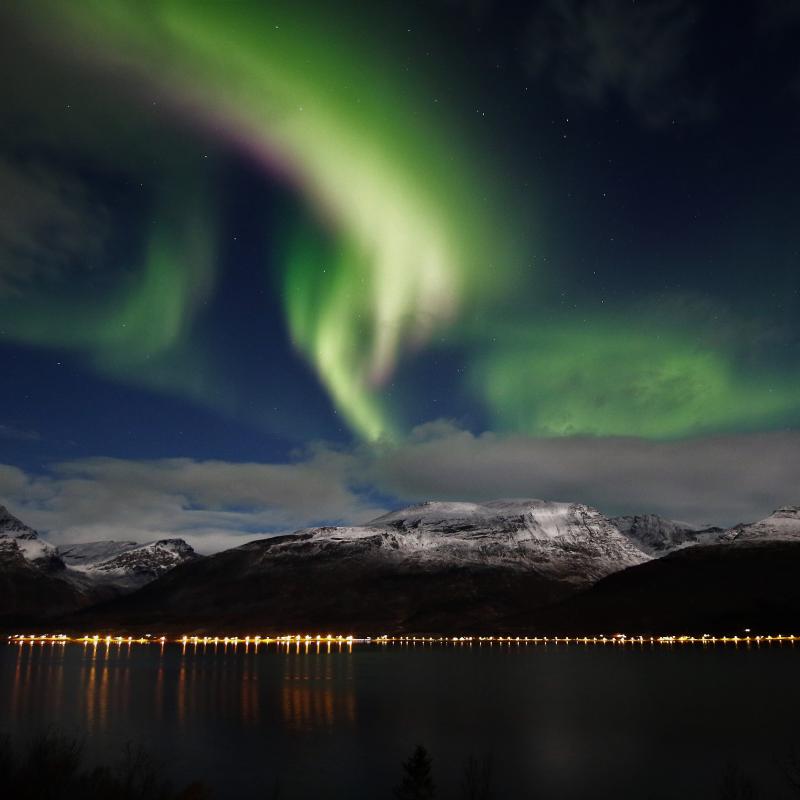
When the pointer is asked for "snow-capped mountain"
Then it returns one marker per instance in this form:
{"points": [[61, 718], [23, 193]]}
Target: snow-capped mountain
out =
{"points": [[658, 536], [566, 541], [87, 553], [436, 566], [126, 564], [431, 567], [34, 581], [743, 579], [782, 525], [11, 526], [15, 535], [39, 580]]}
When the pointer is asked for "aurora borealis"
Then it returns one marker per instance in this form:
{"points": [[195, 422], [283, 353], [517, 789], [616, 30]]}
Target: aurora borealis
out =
{"points": [[238, 229], [405, 251]]}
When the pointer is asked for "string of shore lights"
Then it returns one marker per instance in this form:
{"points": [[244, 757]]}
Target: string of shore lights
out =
{"points": [[330, 639]]}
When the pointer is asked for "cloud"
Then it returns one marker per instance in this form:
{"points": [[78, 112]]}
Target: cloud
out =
{"points": [[13, 482], [212, 504], [218, 504], [720, 479], [49, 226], [18, 434], [614, 50]]}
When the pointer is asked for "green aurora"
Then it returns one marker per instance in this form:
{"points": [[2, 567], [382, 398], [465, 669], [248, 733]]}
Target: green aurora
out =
{"points": [[411, 223], [402, 236], [619, 376]]}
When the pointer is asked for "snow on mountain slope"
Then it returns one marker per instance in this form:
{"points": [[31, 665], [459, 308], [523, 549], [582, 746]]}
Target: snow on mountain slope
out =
{"points": [[34, 581], [126, 564], [38, 580], [780, 526], [16, 535], [11, 526], [433, 567], [566, 541], [121, 565], [658, 536], [86, 553]]}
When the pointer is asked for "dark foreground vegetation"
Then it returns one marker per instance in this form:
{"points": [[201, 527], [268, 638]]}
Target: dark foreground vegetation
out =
{"points": [[477, 782], [52, 767]]}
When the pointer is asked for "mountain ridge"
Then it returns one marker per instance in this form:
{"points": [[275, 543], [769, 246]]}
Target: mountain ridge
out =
{"points": [[433, 566], [39, 581]]}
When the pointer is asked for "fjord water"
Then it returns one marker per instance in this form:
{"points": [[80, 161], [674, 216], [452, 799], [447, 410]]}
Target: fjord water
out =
{"points": [[565, 721]]}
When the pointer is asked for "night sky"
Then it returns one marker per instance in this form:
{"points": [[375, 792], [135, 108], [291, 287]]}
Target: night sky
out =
{"points": [[265, 265]]}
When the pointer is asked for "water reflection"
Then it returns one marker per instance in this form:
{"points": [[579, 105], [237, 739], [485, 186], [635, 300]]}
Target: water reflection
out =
{"points": [[249, 696], [158, 692], [299, 686], [182, 691], [38, 677], [317, 691], [565, 722]]}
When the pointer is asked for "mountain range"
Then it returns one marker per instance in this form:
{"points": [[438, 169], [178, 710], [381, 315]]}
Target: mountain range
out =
{"points": [[39, 581], [524, 566]]}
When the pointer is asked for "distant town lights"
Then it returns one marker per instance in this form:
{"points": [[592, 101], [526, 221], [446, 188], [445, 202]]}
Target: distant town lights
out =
{"points": [[298, 640]]}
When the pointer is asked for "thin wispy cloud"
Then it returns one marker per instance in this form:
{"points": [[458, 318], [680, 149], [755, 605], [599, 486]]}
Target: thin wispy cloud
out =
{"points": [[638, 54], [17, 433]]}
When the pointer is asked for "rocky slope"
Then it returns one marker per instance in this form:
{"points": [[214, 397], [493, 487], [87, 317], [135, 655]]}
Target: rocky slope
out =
{"points": [[783, 525], [34, 581], [512, 565], [11, 526], [563, 541], [658, 536], [436, 566], [16, 535], [747, 578], [126, 565], [39, 581]]}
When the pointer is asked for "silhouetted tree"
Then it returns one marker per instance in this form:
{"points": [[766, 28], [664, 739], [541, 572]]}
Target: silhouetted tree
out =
{"points": [[476, 783], [417, 782], [275, 792], [7, 759], [736, 785], [791, 771], [140, 776], [194, 791], [51, 768], [51, 762]]}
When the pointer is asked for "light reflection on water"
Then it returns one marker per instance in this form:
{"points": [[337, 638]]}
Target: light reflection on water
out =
{"points": [[207, 680], [308, 696], [560, 723]]}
